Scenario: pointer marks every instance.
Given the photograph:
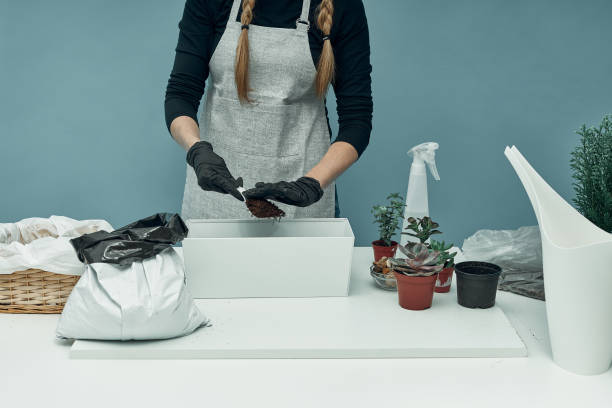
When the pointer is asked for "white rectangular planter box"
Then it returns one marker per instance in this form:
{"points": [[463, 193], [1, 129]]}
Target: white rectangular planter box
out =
{"points": [[263, 258]]}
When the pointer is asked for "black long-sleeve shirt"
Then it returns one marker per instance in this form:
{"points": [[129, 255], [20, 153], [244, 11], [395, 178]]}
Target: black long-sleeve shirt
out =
{"points": [[204, 21]]}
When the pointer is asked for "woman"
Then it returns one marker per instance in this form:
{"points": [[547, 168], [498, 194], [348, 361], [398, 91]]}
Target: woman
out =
{"points": [[264, 123]]}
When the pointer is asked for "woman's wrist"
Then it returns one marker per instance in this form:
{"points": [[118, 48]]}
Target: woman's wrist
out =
{"points": [[338, 158], [185, 131], [316, 174]]}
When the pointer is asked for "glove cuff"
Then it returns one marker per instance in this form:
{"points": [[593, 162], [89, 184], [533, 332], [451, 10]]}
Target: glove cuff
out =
{"points": [[314, 186], [194, 149]]}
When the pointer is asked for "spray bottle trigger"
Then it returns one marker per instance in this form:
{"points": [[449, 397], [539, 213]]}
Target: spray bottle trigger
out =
{"points": [[433, 169], [427, 153]]}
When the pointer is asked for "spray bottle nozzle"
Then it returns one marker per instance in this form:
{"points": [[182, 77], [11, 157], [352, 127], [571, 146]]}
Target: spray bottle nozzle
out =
{"points": [[426, 153]]}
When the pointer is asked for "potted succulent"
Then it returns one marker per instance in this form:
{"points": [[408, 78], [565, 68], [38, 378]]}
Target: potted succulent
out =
{"points": [[447, 260], [388, 218], [422, 228], [416, 275]]}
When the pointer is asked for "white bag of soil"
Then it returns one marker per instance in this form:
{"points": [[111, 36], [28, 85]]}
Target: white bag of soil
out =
{"points": [[121, 297]]}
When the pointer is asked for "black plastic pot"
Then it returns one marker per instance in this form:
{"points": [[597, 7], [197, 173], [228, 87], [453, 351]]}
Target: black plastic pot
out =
{"points": [[477, 284]]}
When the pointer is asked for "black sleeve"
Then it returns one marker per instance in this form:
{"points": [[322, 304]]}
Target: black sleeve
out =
{"points": [[353, 84], [193, 52]]}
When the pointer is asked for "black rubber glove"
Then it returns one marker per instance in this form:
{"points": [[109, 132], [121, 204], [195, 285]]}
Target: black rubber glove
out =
{"points": [[303, 192], [211, 170]]}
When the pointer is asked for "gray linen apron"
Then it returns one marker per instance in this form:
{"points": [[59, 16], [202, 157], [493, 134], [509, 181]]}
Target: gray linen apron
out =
{"points": [[281, 135]]}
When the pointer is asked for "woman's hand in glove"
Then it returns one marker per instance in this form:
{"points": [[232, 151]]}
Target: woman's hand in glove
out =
{"points": [[211, 170], [303, 192]]}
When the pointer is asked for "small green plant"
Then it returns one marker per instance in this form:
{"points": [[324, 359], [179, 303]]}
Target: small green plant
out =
{"points": [[388, 217], [422, 228], [420, 261], [591, 163], [446, 258]]}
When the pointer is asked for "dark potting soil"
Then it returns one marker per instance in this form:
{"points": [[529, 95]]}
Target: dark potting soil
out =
{"points": [[264, 209]]}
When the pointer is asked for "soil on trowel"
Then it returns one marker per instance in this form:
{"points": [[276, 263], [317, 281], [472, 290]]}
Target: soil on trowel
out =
{"points": [[264, 209]]}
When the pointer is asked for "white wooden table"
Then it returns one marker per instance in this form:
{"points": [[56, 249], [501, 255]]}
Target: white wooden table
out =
{"points": [[366, 324], [36, 371]]}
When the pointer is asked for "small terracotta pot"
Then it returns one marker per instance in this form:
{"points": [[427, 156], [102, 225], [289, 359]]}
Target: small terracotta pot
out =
{"points": [[380, 249], [445, 277], [415, 292]]}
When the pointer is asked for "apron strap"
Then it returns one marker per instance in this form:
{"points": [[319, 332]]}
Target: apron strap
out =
{"points": [[303, 24], [234, 13]]}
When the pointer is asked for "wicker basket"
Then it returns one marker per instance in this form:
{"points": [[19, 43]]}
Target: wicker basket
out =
{"points": [[35, 291]]}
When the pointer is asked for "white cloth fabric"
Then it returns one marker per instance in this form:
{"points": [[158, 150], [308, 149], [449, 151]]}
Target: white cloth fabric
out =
{"points": [[44, 243]]}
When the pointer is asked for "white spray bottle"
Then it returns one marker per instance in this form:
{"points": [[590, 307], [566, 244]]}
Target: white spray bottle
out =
{"points": [[417, 203]]}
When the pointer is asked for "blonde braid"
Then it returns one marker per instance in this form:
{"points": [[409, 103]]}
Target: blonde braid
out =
{"points": [[241, 70], [327, 64]]}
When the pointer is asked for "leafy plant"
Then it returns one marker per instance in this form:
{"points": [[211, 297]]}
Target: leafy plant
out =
{"points": [[446, 258], [388, 217], [591, 163], [420, 261], [422, 228]]}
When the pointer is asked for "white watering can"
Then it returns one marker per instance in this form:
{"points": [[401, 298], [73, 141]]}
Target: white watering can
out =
{"points": [[577, 258]]}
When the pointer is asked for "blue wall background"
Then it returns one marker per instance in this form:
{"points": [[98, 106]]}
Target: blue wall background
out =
{"points": [[82, 86]]}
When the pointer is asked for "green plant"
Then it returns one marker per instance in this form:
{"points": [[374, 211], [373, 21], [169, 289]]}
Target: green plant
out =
{"points": [[388, 217], [591, 163], [422, 228], [420, 261], [446, 258]]}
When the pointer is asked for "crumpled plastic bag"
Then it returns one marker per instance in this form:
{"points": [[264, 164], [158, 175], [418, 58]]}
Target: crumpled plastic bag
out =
{"points": [[517, 252], [44, 243], [134, 286]]}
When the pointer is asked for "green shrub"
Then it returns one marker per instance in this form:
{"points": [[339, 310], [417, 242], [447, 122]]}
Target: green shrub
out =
{"points": [[591, 163]]}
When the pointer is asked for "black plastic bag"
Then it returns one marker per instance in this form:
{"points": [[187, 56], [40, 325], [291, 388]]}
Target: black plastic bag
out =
{"points": [[137, 241]]}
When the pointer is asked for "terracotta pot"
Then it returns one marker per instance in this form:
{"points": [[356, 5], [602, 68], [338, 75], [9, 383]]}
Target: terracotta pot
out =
{"points": [[415, 292], [380, 249], [445, 277]]}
